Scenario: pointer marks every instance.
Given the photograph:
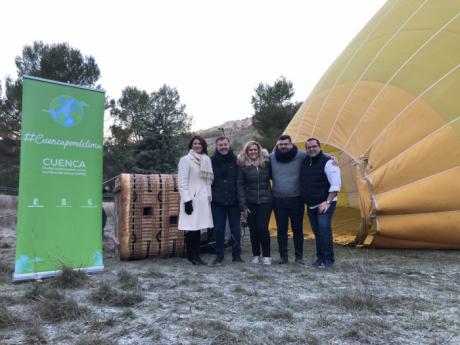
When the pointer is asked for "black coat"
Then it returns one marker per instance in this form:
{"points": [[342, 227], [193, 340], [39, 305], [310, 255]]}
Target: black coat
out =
{"points": [[254, 185], [225, 174]]}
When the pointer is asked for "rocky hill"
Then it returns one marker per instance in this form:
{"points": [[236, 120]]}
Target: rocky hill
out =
{"points": [[239, 132]]}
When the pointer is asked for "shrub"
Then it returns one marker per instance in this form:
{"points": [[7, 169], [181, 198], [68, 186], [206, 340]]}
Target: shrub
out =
{"points": [[105, 294], [69, 278], [128, 280], [60, 309]]}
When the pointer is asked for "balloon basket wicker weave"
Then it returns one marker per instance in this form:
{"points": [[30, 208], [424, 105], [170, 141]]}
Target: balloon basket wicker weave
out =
{"points": [[146, 216]]}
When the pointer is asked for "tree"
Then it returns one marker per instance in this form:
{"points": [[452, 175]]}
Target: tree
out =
{"points": [[149, 129], [130, 115], [10, 110], [58, 62], [159, 153], [273, 109]]}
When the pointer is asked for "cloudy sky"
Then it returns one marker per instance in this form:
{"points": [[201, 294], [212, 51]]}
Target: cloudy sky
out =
{"points": [[214, 52]]}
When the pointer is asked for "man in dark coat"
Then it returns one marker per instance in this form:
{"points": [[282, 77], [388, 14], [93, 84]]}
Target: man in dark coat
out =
{"points": [[224, 199], [319, 184]]}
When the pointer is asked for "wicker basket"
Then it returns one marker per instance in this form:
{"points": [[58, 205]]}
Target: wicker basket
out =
{"points": [[147, 212]]}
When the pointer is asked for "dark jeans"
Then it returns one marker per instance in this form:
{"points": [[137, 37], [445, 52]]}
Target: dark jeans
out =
{"points": [[258, 219], [321, 226], [220, 214], [289, 209], [192, 243]]}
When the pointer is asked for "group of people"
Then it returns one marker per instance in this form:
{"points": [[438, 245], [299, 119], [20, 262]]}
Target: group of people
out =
{"points": [[234, 188]]}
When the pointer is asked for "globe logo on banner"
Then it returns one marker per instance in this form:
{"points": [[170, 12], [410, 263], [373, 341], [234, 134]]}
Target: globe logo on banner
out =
{"points": [[66, 111]]}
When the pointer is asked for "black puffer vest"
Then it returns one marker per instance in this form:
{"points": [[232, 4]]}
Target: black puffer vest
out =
{"points": [[225, 174], [314, 185]]}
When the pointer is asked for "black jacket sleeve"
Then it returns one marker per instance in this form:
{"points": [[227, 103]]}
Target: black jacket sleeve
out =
{"points": [[241, 189]]}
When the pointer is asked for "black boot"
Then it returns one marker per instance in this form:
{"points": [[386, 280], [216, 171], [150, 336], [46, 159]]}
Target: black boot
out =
{"points": [[190, 247], [199, 261], [191, 259]]}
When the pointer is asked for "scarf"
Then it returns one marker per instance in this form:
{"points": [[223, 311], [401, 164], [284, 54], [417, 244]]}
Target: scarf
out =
{"points": [[229, 157], [204, 164], [285, 157]]}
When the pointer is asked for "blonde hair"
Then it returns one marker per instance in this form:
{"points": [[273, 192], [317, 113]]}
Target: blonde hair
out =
{"points": [[243, 158]]}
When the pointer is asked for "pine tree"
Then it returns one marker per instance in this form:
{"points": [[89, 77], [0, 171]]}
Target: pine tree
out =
{"points": [[273, 110]]}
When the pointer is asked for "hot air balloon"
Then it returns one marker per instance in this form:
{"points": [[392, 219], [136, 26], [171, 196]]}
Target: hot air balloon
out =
{"points": [[389, 106]]}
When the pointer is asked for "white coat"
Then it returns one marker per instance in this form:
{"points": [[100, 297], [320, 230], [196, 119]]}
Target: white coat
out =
{"points": [[193, 187]]}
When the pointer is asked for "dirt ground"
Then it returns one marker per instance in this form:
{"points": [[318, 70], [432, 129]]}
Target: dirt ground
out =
{"points": [[370, 297]]}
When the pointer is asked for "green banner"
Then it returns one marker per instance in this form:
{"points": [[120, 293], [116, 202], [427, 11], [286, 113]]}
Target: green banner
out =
{"points": [[60, 181]]}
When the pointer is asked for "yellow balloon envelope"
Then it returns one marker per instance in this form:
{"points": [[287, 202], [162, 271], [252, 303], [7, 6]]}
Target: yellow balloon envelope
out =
{"points": [[390, 107]]}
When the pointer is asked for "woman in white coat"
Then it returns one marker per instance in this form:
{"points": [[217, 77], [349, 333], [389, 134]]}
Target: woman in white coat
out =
{"points": [[195, 180]]}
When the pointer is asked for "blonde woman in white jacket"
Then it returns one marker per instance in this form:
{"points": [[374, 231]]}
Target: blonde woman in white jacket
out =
{"points": [[195, 180]]}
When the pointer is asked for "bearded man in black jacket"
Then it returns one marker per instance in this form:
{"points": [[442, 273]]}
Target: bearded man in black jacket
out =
{"points": [[224, 199], [319, 185]]}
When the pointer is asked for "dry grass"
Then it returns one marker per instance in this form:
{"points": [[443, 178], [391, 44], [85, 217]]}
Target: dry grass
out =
{"points": [[8, 202], [8, 206], [244, 291], [127, 314], [69, 278], [371, 297], [226, 339], [154, 334], [7, 300], [40, 290], [100, 325], [35, 336], [356, 299], [5, 272], [7, 319], [95, 340], [5, 245], [366, 330], [280, 314], [217, 332], [7, 219], [50, 305], [60, 308], [107, 295], [310, 339], [154, 274], [128, 281]]}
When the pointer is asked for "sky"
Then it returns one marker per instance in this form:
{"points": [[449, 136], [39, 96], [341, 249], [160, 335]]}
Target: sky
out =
{"points": [[213, 52]]}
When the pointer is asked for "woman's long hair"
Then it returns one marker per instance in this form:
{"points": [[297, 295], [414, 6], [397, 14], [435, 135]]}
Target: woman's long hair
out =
{"points": [[243, 158], [203, 143]]}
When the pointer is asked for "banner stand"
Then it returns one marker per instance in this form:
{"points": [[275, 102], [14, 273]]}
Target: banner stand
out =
{"points": [[50, 274], [60, 180]]}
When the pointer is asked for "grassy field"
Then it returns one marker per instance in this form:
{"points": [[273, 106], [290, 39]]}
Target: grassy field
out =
{"points": [[370, 297]]}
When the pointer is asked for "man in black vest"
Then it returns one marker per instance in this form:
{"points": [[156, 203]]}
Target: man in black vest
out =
{"points": [[224, 199], [320, 183]]}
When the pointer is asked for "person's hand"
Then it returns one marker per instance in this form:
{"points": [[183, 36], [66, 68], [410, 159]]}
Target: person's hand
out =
{"points": [[323, 207], [334, 160], [245, 213], [188, 207]]}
